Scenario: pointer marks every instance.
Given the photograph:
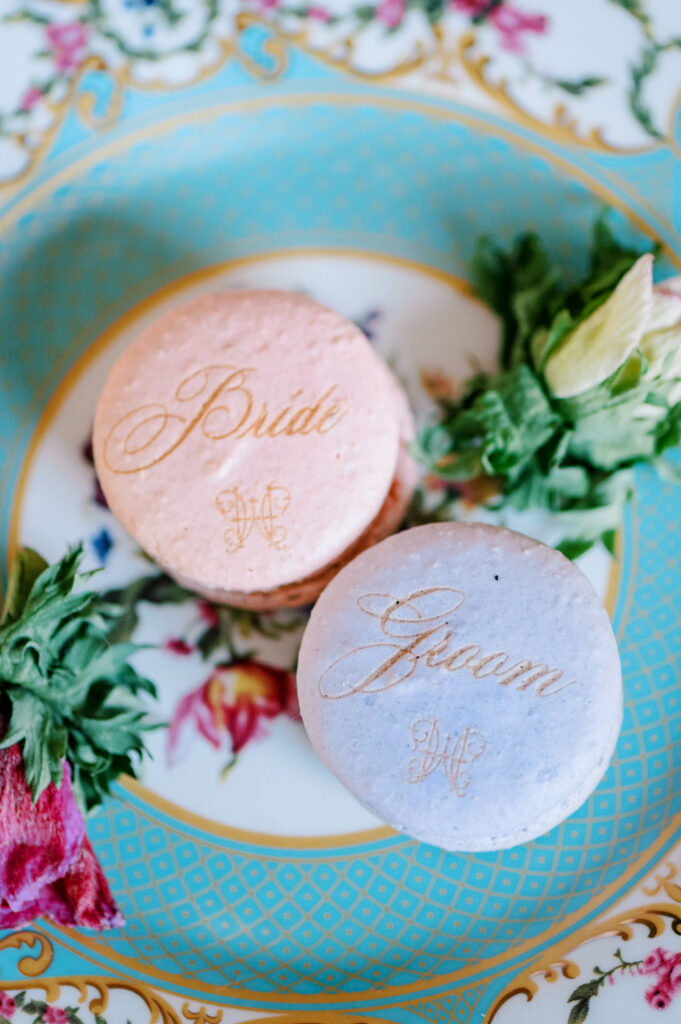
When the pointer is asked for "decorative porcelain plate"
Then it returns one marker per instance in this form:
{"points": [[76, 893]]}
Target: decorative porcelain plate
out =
{"points": [[153, 149]]}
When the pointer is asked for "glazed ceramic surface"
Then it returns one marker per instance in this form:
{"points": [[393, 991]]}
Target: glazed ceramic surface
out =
{"points": [[154, 151]]}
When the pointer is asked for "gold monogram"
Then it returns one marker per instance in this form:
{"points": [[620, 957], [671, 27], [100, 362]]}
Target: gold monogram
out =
{"points": [[243, 515], [420, 621], [223, 406], [450, 753]]}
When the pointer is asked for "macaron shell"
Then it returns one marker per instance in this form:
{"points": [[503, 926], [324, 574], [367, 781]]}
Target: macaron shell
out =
{"points": [[465, 761], [247, 439], [307, 590]]}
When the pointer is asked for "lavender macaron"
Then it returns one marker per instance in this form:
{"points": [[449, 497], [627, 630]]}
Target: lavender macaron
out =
{"points": [[464, 682]]}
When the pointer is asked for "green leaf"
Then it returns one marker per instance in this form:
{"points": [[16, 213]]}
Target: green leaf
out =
{"points": [[72, 693], [585, 991], [157, 588], [365, 13], [35, 1006], [522, 286], [495, 429], [172, 16], [579, 1012], [609, 262], [578, 86], [232, 622], [611, 437], [26, 567], [571, 455], [546, 341], [433, 9], [667, 432], [639, 75], [629, 374], [635, 8]]}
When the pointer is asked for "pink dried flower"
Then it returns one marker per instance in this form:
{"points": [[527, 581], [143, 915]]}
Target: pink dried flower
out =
{"points": [[511, 23], [30, 98], [68, 41], [47, 866], [319, 14], [208, 613], [674, 973], [177, 645], [391, 12], [7, 1005], [55, 1015], [660, 996], [470, 7], [659, 958]]}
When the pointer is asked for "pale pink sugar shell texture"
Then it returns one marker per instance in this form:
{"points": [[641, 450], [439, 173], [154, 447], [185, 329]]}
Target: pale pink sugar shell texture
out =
{"points": [[306, 591], [463, 681], [247, 439]]}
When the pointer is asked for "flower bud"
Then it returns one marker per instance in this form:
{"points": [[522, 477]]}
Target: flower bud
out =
{"points": [[598, 346]]}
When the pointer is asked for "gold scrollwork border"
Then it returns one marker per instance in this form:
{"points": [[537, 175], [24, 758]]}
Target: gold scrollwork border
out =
{"points": [[616, 196], [30, 966], [160, 1010], [563, 128], [33, 966], [84, 102], [555, 962], [59, 111]]}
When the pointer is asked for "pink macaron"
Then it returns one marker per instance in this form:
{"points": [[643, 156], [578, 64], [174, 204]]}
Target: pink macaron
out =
{"points": [[252, 442]]}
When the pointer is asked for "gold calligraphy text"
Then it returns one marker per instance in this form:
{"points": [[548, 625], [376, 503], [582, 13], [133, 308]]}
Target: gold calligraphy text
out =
{"points": [[242, 515], [450, 753], [220, 402], [420, 632]]}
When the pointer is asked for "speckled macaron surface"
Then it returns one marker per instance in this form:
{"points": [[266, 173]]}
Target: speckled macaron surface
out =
{"points": [[247, 438], [464, 682]]}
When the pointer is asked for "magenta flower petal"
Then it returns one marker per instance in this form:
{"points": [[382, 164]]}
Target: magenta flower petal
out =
{"points": [[82, 898], [71, 35], [7, 1005], [47, 866], [660, 995], [176, 645], [208, 613], [55, 1015], [38, 841], [656, 960], [391, 12], [86, 893], [30, 98]]}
